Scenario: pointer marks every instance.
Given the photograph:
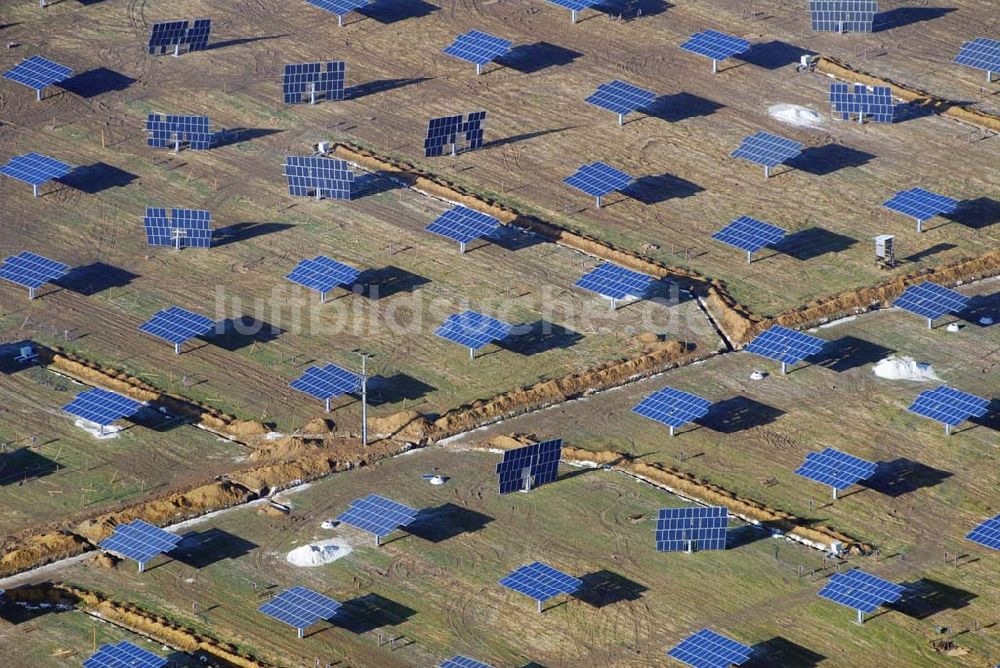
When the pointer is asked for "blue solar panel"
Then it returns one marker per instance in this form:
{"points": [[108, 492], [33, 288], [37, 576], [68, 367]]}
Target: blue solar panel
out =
{"points": [[836, 469], [459, 661], [327, 381], [610, 280], [673, 407], [172, 35], [446, 130], [124, 655], [749, 234], [987, 533], [177, 325], [785, 345], [180, 227], [38, 73], [767, 149], [478, 47], [463, 224], [949, 406], [323, 274], [102, 407], [715, 45], [339, 7], [598, 179], [530, 466], [310, 175], [308, 82], [541, 582], [857, 99], [300, 607], [174, 130], [473, 330], [378, 515], [620, 97], [696, 528], [842, 15], [140, 541], [860, 591], [35, 169], [931, 300], [921, 204], [30, 270], [708, 649], [981, 53]]}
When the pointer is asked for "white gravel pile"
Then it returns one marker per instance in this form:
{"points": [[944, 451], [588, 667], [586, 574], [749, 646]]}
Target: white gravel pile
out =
{"points": [[793, 114], [318, 554], [904, 368]]}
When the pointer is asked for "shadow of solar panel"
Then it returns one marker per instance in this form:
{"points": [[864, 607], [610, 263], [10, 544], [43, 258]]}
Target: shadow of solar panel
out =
{"points": [[323, 274], [38, 73], [35, 168], [749, 234], [528, 467], [300, 607], [169, 36], [445, 131], [307, 82], [102, 407], [861, 591], [459, 661], [921, 204], [610, 280], [598, 179], [327, 382], [463, 224], [696, 528], [931, 300], [310, 175], [981, 53], [124, 655], [987, 533], [836, 469], [339, 7], [177, 325], [715, 45], [785, 345], [541, 582], [673, 407], [171, 130], [859, 100], [180, 228], [478, 47], [139, 541], [842, 15], [708, 649], [378, 515], [30, 270], [767, 149], [948, 405], [620, 97], [473, 330]]}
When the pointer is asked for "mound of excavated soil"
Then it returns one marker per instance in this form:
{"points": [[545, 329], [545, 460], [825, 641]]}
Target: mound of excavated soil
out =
{"points": [[104, 560], [318, 426]]}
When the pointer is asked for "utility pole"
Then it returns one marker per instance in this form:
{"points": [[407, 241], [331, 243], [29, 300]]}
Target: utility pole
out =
{"points": [[364, 395]]}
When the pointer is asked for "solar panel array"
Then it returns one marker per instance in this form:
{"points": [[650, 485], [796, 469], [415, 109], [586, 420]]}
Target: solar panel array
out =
{"points": [[673, 407], [172, 129], [35, 169], [877, 103], [610, 280], [139, 541], [305, 82], [987, 533], [459, 661], [176, 325], [981, 53], [478, 47], [921, 204], [621, 97], [598, 179], [842, 15], [311, 175], [102, 407], [124, 655], [931, 300], [835, 468], [181, 227], [749, 234], [339, 7], [680, 529], [171, 35], [708, 649], [378, 515], [473, 330], [324, 382], [535, 464], [446, 130], [323, 274], [38, 73], [463, 224], [715, 45], [767, 149], [300, 607], [860, 591], [31, 270], [541, 582], [785, 345], [948, 405]]}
